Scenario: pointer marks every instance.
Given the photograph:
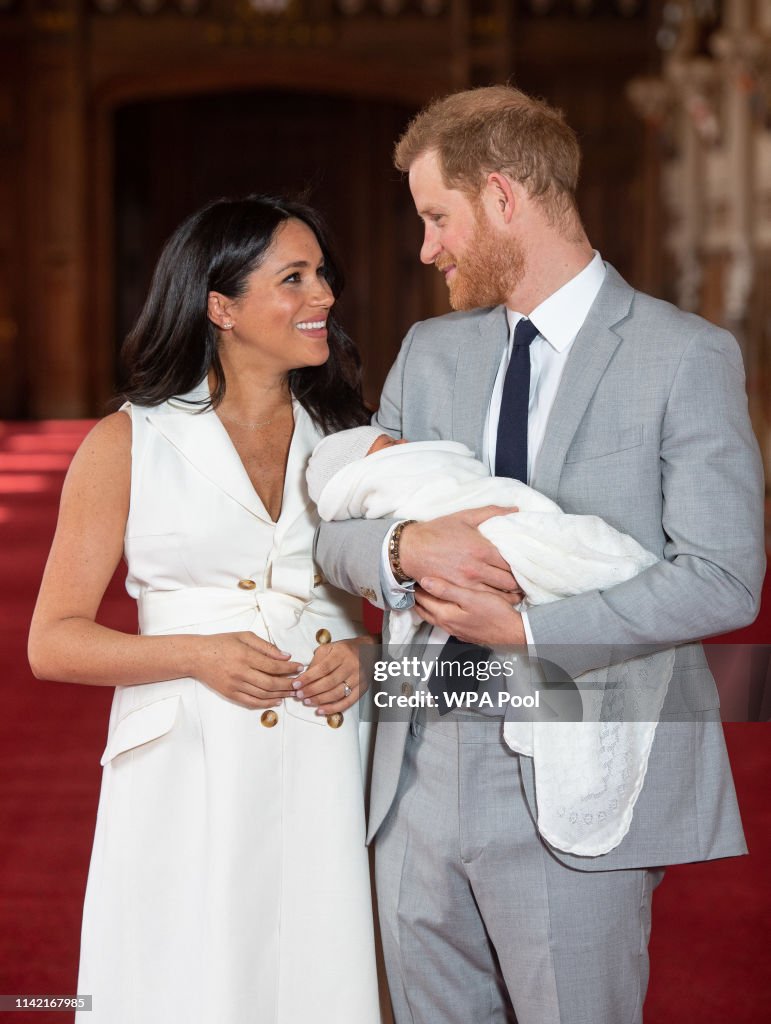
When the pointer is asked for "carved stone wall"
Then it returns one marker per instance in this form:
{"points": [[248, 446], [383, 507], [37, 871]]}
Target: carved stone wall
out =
{"points": [[710, 110]]}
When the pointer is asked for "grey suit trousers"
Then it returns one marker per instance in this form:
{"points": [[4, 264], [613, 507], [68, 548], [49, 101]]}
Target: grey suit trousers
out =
{"points": [[473, 904]]}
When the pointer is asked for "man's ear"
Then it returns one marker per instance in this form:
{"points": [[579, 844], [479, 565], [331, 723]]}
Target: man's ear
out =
{"points": [[500, 196], [219, 308]]}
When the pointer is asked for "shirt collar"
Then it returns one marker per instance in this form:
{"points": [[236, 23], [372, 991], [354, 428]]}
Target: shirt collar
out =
{"points": [[560, 317]]}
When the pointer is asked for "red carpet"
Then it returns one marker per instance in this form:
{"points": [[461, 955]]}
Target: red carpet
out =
{"points": [[711, 927]]}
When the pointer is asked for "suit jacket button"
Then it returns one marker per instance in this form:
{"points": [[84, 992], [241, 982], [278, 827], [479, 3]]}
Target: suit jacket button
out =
{"points": [[269, 719], [336, 720], [406, 690], [318, 579], [247, 584], [323, 636]]}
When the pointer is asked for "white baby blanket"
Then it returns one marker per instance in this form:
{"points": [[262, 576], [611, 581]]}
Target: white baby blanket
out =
{"points": [[588, 774], [552, 554]]}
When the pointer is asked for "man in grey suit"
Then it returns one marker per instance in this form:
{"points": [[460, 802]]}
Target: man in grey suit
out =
{"points": [[634, 411]]}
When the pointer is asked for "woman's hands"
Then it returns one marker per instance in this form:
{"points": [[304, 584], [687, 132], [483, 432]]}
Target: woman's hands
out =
{"points": [[334, 669], [254, 673], [244, 668]]}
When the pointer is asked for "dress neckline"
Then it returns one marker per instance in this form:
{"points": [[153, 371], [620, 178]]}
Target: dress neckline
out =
{"points": [[295, 406], [191, 428]]}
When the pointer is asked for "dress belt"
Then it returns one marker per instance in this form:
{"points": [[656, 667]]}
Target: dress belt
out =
{"points": [[162, 611]]}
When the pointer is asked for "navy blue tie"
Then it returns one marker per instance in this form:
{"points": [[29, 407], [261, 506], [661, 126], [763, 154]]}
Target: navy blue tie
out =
{"points": [[511, 446]]}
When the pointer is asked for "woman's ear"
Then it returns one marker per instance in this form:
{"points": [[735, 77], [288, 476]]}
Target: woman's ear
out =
{"points": [[218, 310]]}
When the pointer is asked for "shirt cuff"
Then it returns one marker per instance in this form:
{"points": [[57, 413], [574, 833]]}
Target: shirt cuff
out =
{"points": [[395, 595]]}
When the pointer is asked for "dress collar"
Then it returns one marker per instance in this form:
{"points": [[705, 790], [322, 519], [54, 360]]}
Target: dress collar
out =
{"points": [[200, 436]]}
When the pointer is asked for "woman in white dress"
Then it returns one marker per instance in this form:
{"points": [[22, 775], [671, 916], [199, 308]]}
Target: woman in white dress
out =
{"points": [[229, 880]]}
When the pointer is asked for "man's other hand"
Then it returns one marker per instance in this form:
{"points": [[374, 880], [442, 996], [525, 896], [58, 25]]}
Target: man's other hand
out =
{"points": [[480, 617]]}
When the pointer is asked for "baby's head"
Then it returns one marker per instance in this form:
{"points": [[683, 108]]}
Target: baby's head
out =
{"points": [[384, 441], [339, 450]]}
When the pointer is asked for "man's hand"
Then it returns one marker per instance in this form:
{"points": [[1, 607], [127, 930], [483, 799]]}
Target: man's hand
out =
{"points": [[478, 616], [452, 548]]}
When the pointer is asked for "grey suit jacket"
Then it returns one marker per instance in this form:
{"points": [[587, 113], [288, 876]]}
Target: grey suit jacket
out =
{"points": [[649, 430]]}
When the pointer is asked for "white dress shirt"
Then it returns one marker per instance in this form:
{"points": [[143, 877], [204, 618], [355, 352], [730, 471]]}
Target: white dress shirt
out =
{"points": [[558, 318]]}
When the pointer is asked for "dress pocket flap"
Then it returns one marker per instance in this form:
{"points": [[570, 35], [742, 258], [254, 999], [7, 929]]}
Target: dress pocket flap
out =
{"points": [[141, 725]]}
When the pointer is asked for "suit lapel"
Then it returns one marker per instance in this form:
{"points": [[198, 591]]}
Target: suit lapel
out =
{"points": [[202, 439], [587, 361], [478, 362]]}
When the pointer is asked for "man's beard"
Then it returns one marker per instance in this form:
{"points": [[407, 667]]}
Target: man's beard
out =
{"points": [[488, 272]]}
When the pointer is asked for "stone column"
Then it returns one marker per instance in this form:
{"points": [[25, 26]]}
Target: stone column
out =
{"points": [[55, 317]]}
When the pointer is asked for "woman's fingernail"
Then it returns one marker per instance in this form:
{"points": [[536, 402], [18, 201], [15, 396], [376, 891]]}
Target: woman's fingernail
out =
{"points": [[307, 702], [320, 711], [296, 685], [427, 584], [299, 695]]}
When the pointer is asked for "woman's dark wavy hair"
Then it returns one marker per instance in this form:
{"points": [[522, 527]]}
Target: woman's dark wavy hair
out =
{"points": [[173, 344]]}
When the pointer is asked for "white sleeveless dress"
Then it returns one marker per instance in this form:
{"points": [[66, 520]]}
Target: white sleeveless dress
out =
{"points": [[229, 878]]}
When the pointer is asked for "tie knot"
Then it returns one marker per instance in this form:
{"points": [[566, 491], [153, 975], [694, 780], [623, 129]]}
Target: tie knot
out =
{"points": [[524, 332]]}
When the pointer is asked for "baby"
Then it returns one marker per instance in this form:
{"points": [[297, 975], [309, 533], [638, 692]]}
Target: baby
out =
{"points": [[365, 474]]}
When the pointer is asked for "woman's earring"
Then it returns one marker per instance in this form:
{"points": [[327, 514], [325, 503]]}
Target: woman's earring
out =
{"points": [[227, 325]]}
